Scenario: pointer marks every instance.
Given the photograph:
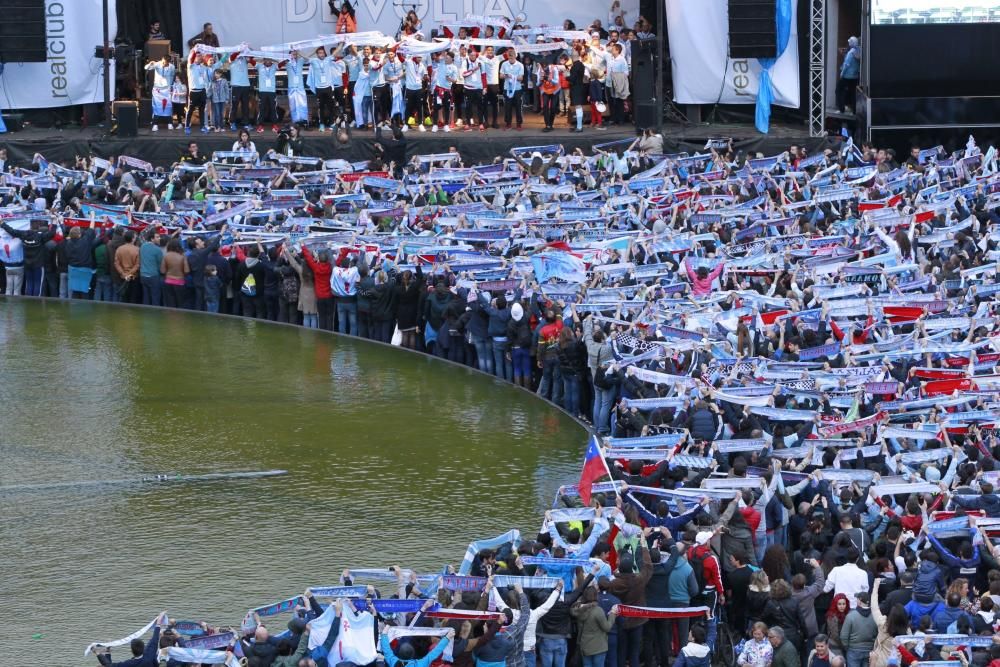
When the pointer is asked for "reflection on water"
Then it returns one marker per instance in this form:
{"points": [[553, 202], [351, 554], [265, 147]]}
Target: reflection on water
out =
{"points": [[392, 458]]}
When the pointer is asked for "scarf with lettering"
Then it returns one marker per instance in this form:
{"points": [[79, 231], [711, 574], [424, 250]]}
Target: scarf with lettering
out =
{"points": [[858, 425], [630, 611], [199, 656], [210, 641]]}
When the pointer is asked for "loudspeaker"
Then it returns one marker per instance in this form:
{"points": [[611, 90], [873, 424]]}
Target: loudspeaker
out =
{"points": [[157, 48], [647, 114], [753, 32], [22, 31], [13, 121], [644, 69], [127, 114]]}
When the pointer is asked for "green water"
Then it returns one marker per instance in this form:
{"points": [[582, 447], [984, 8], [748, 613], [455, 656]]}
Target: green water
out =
{"points": [[392, 458]]}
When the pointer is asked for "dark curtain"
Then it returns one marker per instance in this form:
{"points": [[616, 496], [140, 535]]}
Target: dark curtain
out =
{"points": [[134, 17]]}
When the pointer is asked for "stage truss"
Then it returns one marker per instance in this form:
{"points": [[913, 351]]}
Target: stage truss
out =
{"points": [[817, 70]]}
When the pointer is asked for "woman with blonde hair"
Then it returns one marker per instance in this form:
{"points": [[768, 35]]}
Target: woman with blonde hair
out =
{"points": [[758, 595], [757, 651]]}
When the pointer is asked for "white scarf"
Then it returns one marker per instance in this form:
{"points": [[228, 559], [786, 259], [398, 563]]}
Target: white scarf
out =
{"points": [[124, 640]]}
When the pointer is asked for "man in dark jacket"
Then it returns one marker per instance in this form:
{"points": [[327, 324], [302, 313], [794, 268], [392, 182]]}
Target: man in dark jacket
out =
{"points": [[556, 627], [250, 277], [987, 501], [703, 422], [508, 646], [930, 578], [366, 299], [630, 587], [901, 595], [263, 650], [200, 250], [496, 334], [80, 254], [785, 654], [143, 654], [657, 630]]}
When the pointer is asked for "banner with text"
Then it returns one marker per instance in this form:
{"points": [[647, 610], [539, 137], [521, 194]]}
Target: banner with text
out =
{"points": [[71, 74], [263, 22]]}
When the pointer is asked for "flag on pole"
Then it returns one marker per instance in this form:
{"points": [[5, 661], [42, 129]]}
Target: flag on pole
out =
{"points": [[593, 469]]}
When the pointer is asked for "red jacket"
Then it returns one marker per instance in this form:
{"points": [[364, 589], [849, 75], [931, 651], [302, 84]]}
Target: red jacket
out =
{"points": [[321, 275], [752, 518], [710, 566]]}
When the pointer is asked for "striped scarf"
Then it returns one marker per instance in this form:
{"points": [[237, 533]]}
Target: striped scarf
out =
{"points": [[199, 656], [630, 611]]}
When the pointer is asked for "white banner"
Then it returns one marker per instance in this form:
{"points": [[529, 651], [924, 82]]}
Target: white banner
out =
{"points": [[71, 75], [702, 70], [263, 22]]}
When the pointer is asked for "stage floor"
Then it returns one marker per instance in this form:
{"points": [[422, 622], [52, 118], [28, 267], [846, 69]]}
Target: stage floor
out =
{"points": [[163, 147]]}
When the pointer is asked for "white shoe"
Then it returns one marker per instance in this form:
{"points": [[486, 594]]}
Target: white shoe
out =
{"points": [[170, 126], [447, 128], [421, 128], [406, 129], [156, 127], [434, 128]]}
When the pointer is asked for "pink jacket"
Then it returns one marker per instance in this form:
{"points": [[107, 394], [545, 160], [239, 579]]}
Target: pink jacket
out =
{"points": [[701, 287]]}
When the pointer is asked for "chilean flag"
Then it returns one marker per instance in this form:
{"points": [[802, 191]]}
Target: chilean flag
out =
{"points": [[593, 469]]}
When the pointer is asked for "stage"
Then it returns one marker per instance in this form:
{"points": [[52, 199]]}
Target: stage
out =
{"points": [[162, 148]]}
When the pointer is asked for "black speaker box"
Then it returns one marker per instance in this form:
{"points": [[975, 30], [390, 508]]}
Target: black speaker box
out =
{"points": [[753, 32], [22, 30], [644, 70], [127, 115], [647, 114]]}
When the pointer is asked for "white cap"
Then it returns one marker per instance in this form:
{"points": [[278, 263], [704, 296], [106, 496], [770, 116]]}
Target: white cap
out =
{"points": [[702, 538], [595, 34], [516, 312]]}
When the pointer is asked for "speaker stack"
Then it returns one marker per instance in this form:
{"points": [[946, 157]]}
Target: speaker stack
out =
{"points": [[647, 107], [22, 31], [753, 31]]}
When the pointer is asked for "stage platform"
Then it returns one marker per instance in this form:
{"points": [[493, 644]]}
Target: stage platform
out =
{"points": [[164, 147]]}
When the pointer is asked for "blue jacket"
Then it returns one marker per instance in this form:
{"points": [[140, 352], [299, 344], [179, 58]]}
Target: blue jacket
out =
{"points": [[683, 586], [959, 567], [916, 610], [929, 582], [498, 318], [989, 503], [945, 616], [694, 655]]}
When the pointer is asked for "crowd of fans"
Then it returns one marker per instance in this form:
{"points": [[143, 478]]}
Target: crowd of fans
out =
{"points": [[472, 75], [793, 358]]}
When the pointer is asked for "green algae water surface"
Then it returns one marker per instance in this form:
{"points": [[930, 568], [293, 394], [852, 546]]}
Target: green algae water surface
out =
{"points": [[392, 458]]}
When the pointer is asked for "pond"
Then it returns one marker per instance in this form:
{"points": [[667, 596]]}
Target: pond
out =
{"points": [[392, 458]]}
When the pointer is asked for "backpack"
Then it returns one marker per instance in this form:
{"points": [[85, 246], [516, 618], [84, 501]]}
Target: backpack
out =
{"points": [[290, 288], [249, 286], [697, 562], [604, 380]]}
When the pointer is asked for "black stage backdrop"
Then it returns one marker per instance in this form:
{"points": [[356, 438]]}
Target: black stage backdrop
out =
{"points": [[134, 17], [934, 60], [162, 151]]}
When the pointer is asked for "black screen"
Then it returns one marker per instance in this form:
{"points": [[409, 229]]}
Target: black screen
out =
{"points": [[934, 60]]}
